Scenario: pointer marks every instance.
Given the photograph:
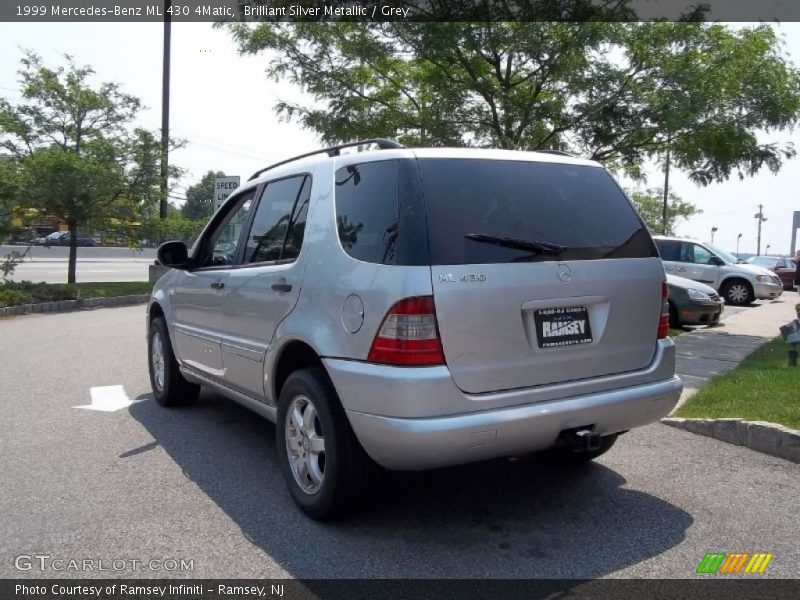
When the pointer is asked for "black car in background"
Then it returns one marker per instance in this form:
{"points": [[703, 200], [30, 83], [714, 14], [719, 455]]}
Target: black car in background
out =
{"points": [[61, 238], [692, 302]]}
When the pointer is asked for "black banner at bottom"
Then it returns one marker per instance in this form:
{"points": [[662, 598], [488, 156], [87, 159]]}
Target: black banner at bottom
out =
{"points": [[712, 588]]}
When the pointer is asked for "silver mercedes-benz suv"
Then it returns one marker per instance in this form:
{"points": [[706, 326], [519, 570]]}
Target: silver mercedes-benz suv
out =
{"points": [[417, 308]]}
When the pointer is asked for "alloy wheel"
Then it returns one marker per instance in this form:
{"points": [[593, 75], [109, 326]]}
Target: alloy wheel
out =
{"points": [[157, 358], [305, 444]]}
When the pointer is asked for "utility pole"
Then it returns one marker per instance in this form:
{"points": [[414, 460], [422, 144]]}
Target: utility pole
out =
{"points": [[162, 207], [666, 195], [761, 218]]}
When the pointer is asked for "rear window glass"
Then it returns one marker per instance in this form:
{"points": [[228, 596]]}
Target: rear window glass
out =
{"points": [[579, 208]]}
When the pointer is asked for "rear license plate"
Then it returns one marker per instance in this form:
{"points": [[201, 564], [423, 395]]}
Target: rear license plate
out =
{"points": [[556, 327]]}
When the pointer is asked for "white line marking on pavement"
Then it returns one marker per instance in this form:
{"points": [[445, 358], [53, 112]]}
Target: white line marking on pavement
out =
{"points": [[108, 398]]}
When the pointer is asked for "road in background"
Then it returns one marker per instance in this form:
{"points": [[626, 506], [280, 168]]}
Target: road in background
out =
{"points": [[94, 264], [202, 483]]}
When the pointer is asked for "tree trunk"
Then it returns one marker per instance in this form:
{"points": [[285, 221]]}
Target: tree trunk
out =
{"points": [[73, 251]]}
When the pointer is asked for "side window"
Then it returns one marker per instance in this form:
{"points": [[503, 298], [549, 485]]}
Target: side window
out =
{"points": [[701, 255], [222, 246], [279, 222], [297, 227], [367, 210], [781, 264], [669, 249], [687, 252]]}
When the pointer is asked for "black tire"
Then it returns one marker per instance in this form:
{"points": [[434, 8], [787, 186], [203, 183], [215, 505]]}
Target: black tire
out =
{"points": [[571, 456], [174, 390], [349, 477], [738, 292], [673, 317]]}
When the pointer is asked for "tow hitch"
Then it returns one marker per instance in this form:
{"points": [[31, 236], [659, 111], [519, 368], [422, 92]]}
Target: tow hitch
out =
{"points": [[582, 439]]}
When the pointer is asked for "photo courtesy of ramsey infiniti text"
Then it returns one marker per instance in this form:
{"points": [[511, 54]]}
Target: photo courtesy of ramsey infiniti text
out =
{"points": [[418, 308]]}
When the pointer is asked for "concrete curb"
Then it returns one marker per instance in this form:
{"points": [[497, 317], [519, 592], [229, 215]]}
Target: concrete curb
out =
{"points": [[769, 438], [66, 305]]}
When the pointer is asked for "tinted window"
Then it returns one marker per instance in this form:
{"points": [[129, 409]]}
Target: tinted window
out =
{"points": [[578, 207], [279, 221], [687, 252], [669, 249], [367, 210], [294, 240]]}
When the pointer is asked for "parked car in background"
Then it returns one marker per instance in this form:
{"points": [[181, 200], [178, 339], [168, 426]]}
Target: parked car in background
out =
{"points": [[61, 238], [706, 263], [783, 267], [692, 302]]}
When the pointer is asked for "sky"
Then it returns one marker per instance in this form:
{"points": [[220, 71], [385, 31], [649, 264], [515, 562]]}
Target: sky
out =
{"points": [[222, 105]]}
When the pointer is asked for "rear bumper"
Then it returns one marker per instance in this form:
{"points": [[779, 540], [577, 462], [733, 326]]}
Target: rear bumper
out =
{"points": [[417, 418], [412, 444]]}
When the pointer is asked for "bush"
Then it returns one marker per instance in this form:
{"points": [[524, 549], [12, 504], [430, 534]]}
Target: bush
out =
{"points": [[14, 293], [10, 297]]}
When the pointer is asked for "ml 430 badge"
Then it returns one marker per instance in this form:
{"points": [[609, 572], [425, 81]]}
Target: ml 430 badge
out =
{"points": [[469, 277], [562, 326]]}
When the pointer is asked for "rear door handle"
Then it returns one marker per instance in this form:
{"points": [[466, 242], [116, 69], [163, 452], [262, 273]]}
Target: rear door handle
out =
{"points": [[218, 285], [282, 287]]}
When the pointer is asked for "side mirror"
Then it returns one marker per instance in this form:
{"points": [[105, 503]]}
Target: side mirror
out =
{"points": [[716, 260], [173, 255]]}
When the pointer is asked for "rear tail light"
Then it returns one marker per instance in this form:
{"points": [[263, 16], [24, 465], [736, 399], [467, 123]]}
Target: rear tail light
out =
{"points": [[409, 335], [663, 323]]}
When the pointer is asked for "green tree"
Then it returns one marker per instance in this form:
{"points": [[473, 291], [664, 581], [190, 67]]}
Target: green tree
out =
{"points": [[621, 93], [73, 146], [174, 227], [8, 187], [200, 197], [650, 204]]}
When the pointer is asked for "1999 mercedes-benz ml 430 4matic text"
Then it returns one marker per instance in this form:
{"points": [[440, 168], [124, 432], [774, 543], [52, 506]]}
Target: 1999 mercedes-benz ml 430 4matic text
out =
{"points": [[417, 308]]}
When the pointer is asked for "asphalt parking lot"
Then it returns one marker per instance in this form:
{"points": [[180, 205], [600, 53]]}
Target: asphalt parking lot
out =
{"points": [[201, 484]]}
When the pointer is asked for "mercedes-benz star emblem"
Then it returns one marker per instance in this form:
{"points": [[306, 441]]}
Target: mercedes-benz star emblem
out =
{"points": [[564, 272]]}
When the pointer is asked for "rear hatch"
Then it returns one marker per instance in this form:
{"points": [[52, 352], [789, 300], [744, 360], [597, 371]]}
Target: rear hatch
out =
{"points": [[542, 272]]}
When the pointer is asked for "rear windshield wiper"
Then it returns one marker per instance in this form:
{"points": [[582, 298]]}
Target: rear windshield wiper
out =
{"points": [[528, 245]]}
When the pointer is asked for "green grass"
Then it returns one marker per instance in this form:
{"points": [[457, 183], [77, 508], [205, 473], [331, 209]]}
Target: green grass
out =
{"points": [[676, 332], [14, 293], [113, 288], [761, 388]]}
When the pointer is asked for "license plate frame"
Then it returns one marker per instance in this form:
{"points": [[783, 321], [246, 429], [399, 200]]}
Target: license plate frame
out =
{"points": [[562, 327]]}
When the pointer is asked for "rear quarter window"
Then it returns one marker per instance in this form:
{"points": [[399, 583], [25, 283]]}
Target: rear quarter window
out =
{"points": [[367, 212]]}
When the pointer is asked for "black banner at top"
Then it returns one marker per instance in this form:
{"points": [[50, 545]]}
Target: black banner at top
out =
{"points": [[366, 11]]}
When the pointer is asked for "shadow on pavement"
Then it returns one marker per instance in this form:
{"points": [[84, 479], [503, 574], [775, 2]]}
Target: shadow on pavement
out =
{"points": [[500, 519]]}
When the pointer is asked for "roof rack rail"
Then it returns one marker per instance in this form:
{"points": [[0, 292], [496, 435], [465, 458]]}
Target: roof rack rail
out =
{"points": [[382, 143], [559, 152]]}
